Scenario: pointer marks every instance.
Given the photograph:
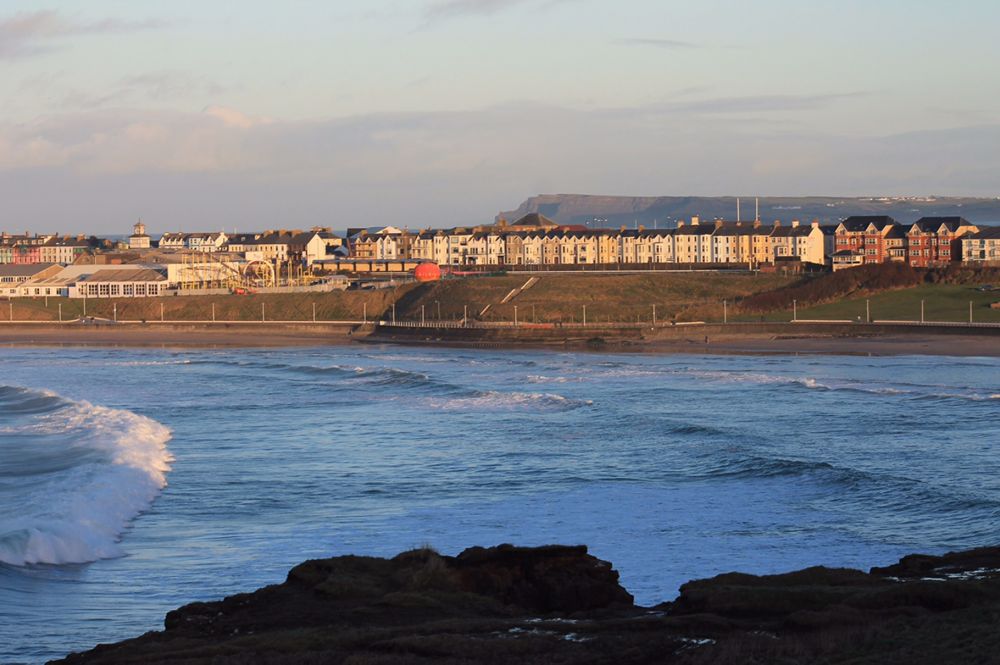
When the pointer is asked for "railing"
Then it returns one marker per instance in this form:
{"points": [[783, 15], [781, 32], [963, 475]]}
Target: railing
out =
{"points": [[523, 325]]}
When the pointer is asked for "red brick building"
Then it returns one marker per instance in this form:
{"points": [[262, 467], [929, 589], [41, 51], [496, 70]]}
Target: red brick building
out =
{"points": [[934, 242], [862, 240]]}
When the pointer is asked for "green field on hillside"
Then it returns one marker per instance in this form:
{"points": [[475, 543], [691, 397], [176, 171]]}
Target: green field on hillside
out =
{"points": [[942, 302], [680, 296]]}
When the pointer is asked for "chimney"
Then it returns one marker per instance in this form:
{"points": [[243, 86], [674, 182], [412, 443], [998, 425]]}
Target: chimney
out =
{"points": [[815, 224], [695, 220], [718, 223], [641, 227], [680, 223], [795, 223]]}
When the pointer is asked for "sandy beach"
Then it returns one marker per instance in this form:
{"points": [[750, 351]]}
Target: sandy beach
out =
{"points": [[231, 334], [275, 334], [882, 345]]}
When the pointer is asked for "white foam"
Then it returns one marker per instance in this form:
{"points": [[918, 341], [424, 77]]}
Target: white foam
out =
{"points": [[78, 514], [504, 401]]}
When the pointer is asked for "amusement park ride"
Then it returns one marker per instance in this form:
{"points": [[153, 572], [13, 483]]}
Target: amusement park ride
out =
{"points": [[206, 271]]}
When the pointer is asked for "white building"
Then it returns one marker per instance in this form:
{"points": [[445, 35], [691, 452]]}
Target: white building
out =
{"points": [[119, 283]]}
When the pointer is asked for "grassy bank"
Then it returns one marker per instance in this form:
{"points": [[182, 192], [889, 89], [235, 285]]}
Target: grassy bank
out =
{"points": [[334, 306], [941, 302], [607, 298], [679, 296]]}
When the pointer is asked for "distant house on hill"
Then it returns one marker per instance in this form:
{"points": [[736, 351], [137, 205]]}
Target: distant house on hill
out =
{"points": [[139, 239], [199, 242]]}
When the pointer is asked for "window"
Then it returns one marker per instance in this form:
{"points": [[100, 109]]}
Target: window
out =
{"points": [[154, 289], [140, 289], [116, 289], [104, 289], [128, 289]]}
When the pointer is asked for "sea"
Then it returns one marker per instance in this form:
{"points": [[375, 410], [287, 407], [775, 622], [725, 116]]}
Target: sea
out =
{"points": [[133, 481]]}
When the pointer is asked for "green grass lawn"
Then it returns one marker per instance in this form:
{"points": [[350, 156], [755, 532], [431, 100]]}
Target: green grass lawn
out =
{"points": [[942, 302]]}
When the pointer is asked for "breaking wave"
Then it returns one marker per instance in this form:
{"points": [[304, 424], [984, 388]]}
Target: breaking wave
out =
{"points": [[73, 476], [494, 400]]}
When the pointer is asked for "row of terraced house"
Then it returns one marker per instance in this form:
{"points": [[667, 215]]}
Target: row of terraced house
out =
{"points": [[26, 249], [536, 240]]}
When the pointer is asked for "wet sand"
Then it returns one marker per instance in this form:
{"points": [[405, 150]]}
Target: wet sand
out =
{"points": [[882, 345], [271, 334], [248, 334]]}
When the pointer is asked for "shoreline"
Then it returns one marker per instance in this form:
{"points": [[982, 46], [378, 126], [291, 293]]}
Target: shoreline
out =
{"points": [[233, 334], [706, 339]]}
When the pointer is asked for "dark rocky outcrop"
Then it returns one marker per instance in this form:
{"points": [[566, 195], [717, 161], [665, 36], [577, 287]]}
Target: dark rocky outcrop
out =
{"points": [[559, 604]]}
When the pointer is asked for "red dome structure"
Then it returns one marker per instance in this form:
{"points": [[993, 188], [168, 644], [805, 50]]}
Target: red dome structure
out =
{"points": [[427, 272]]}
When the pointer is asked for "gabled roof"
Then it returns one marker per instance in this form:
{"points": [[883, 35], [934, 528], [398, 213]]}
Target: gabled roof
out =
{"points": [[535, 219], [862, 222], [934, 224], [656, 233]]}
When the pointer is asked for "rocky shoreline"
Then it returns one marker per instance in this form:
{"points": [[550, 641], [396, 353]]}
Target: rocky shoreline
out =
{"points": [[559, 604]]}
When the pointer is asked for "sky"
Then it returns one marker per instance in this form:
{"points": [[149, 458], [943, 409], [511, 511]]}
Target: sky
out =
{"points": [[257, 114]]}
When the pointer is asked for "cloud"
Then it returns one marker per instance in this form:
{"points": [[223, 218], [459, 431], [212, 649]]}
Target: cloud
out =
{"points": [[670, 44], [163, 86], [445, 9], [233, 118], [32, 33], [754, 104], [225, 166]]}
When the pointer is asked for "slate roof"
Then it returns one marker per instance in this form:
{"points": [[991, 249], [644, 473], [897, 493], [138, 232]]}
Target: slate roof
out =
{"points": [[862, 222], [125, 275]]}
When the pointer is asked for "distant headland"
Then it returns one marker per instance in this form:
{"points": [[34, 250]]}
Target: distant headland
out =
{"points": [[664, 211]]}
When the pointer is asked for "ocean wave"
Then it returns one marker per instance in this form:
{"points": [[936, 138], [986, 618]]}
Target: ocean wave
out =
{"points": [[911, 390], [74, 475], [541, 378], [494, 400], [690, 429]]}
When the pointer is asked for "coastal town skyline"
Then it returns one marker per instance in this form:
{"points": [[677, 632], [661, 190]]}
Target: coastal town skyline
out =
{"points": [[240, 114]]}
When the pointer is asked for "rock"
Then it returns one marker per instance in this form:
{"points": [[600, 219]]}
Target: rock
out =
{"points": [[559, 604], [541, 579]]}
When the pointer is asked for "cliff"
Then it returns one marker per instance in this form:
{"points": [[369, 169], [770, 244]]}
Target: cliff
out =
{"points": [[562, 605], [615, 211]]}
